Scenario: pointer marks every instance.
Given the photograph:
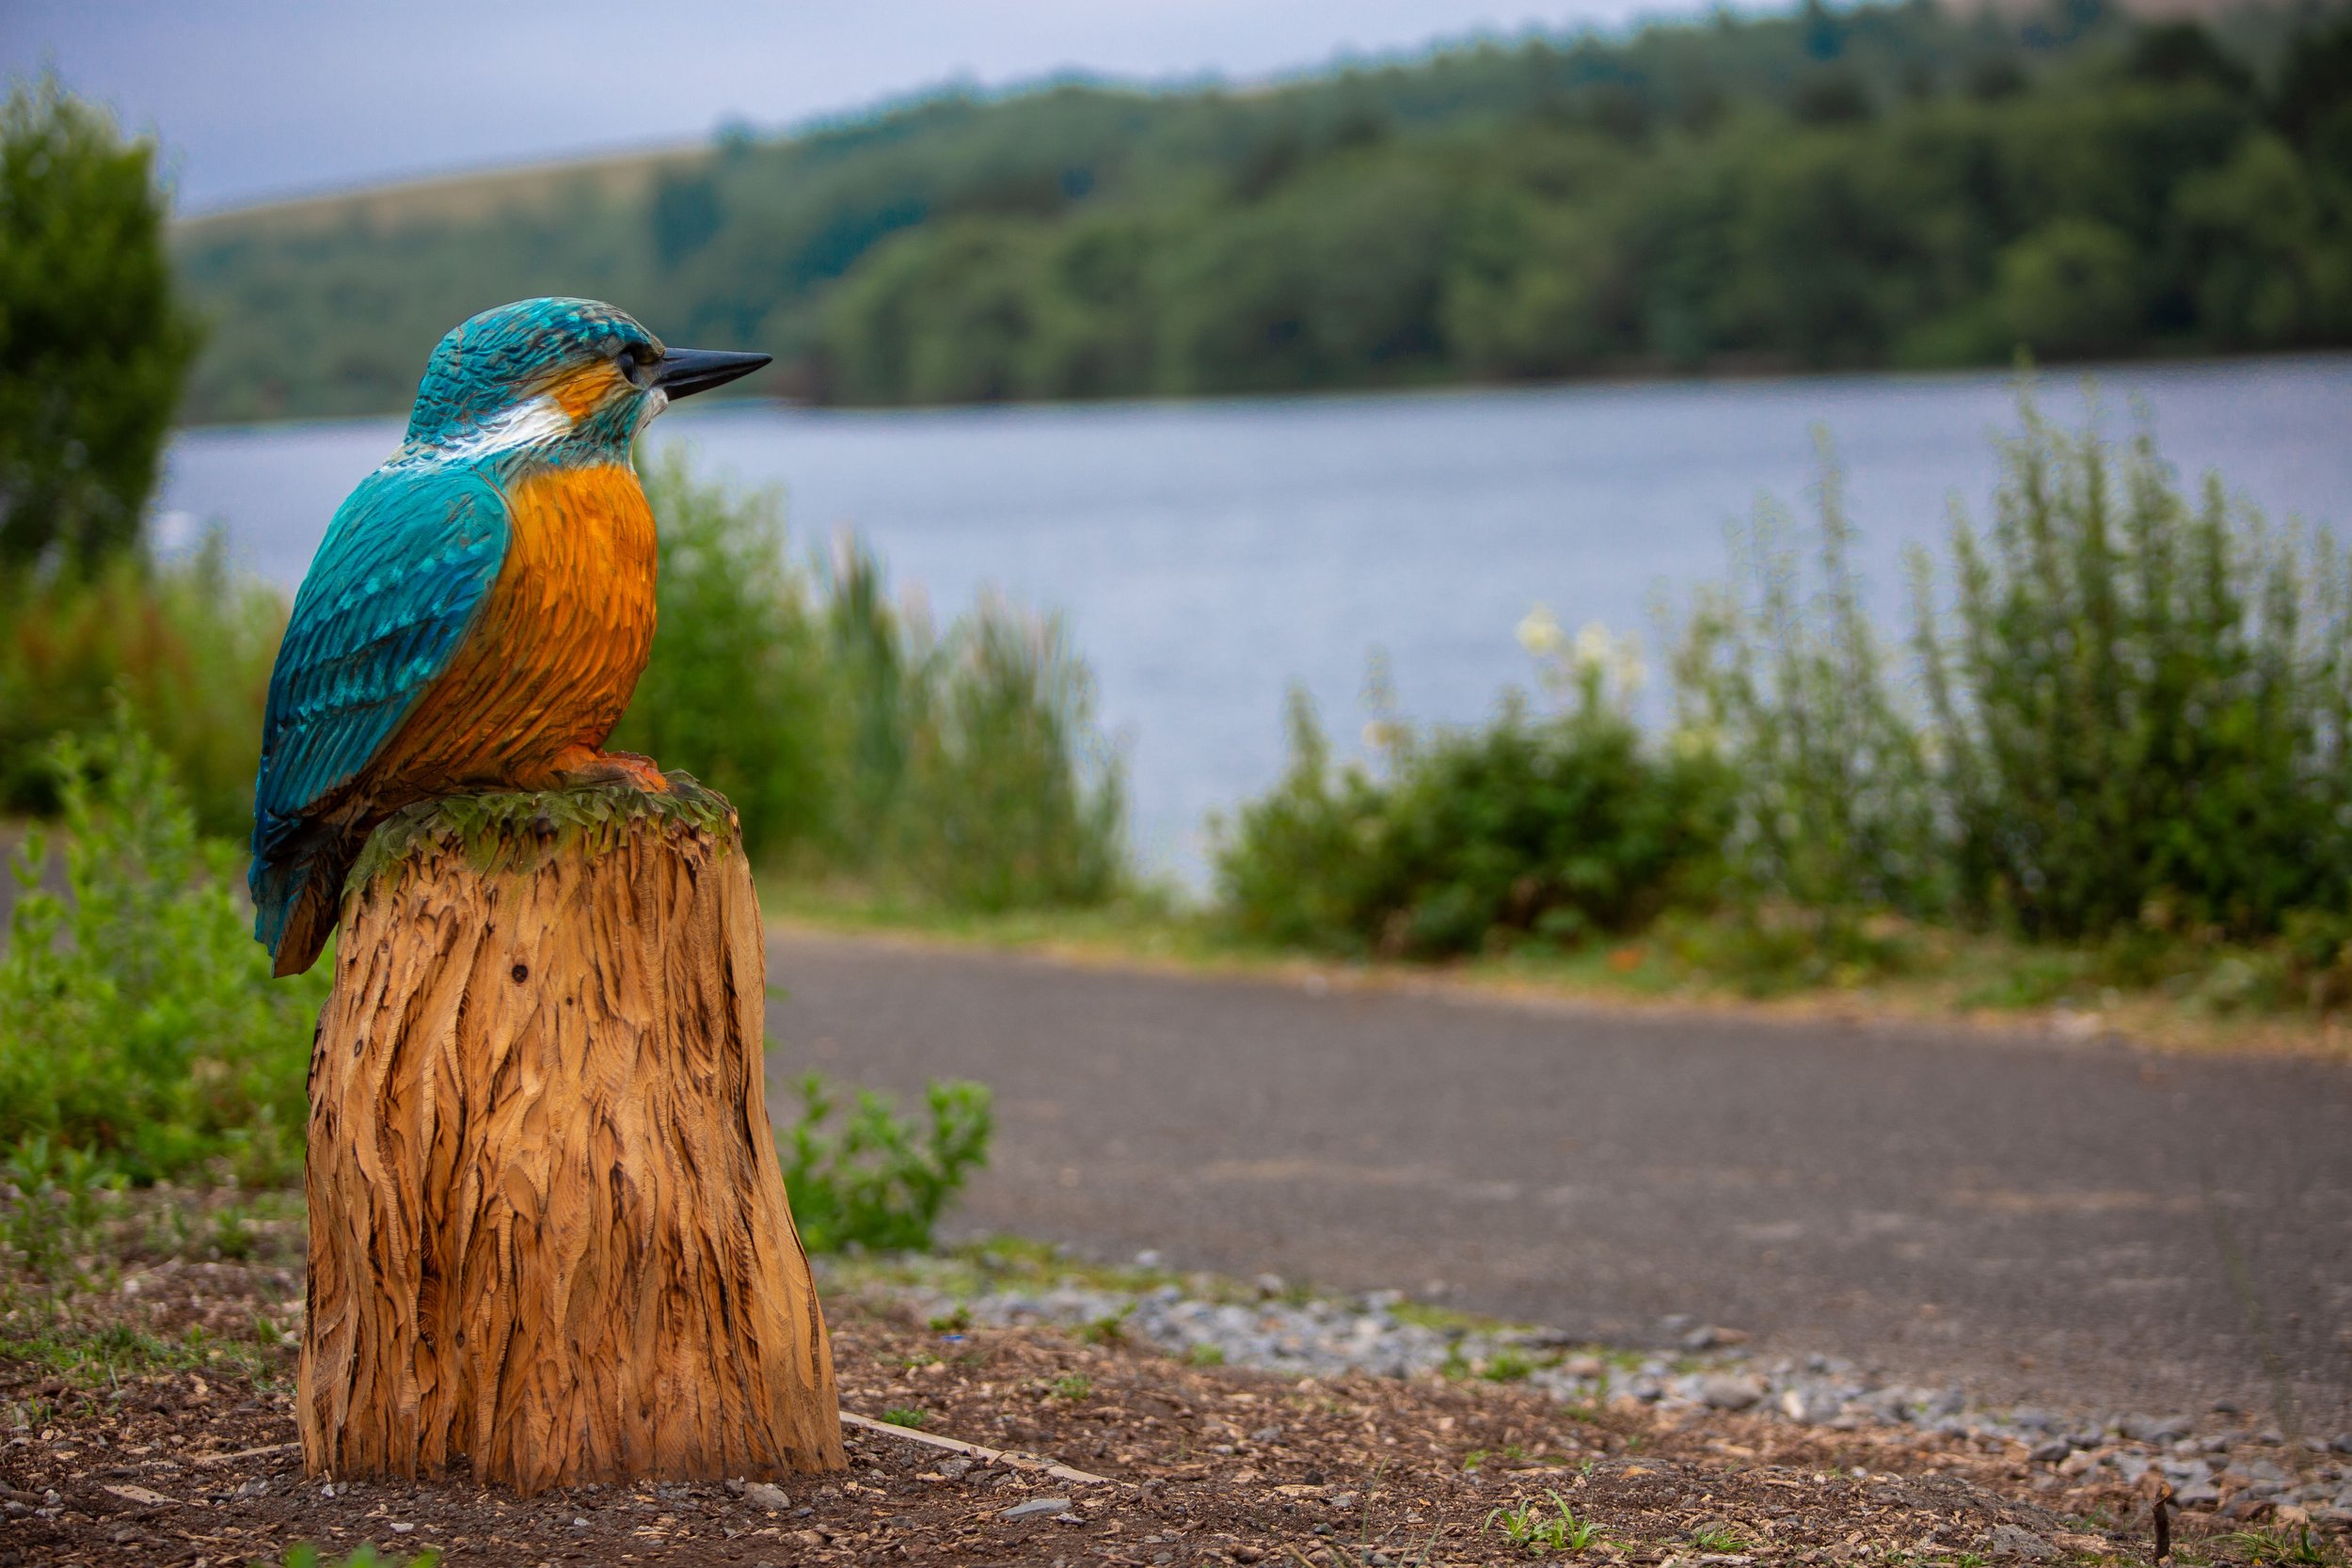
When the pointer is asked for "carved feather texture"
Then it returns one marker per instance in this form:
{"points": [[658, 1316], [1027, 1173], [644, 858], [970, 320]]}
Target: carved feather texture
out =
{"points": [[478, 614]]}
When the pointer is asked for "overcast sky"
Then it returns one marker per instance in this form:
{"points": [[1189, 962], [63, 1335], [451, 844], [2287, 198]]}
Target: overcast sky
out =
{"points": [[255, 99]]}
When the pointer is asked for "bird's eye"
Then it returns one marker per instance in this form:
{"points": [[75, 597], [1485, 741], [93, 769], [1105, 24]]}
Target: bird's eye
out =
{"points": [[635, 363]]}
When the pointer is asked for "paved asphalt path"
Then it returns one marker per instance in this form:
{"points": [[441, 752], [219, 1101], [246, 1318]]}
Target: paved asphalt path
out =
{"points": [[2087, 1225]]}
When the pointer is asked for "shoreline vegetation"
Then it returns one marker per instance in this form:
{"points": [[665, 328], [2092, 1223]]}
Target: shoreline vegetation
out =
{"points": [[2102, 785], [1879, 186]]}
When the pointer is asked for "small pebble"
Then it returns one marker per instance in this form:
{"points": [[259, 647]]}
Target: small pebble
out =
{"points": [[1036, 1506]]}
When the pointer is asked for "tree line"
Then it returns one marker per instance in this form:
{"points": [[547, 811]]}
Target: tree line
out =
{"points": [[1886, 186]]}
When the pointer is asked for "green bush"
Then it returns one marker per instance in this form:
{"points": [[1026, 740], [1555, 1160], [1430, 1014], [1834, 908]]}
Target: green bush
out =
{"points": [[93, 344], [880, 1182], [2127, 725], [2134, 711], [1780, 674], [2141, 704], [737, 688], [964, 768], [1558, 827], [139, 1023], [1008, 800], [187, 644]]}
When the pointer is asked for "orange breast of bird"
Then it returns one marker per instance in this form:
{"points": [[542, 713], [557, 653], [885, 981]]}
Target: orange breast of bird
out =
{"points": [[555, 655]]}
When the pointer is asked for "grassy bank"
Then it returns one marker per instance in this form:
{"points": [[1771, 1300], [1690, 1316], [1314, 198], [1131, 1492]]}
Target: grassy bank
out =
{"points": [[2105, 778], [1972, 980]]}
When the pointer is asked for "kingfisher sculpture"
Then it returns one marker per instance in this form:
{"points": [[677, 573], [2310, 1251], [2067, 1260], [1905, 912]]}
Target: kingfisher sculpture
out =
{"points": [[482, 606]]}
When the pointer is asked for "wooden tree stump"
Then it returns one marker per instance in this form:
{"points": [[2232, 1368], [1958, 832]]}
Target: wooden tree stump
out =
{"points": [[548, 1234]]}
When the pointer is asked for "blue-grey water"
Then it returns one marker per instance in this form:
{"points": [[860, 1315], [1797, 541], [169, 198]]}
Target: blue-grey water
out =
{"points": [[1207, 555]]}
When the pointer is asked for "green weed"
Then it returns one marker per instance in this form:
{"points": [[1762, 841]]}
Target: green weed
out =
{"points": [[2268, 1547], [1536, 1531], [306, 1555], [1719, 1538], [907, 1416], [1109, 1329], [138, 1021], [879, 1180], [1204, 1355], [960, 767], [1073, 1386]]}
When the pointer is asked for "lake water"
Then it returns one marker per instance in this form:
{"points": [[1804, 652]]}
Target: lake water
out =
{"points": [[1208, 555]]}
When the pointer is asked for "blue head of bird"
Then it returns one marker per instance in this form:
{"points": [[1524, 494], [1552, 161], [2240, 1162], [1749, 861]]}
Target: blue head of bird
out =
{"points": [[555, 381]]}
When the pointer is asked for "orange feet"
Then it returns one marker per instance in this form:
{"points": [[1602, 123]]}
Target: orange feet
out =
{"points": [[579, 765]]}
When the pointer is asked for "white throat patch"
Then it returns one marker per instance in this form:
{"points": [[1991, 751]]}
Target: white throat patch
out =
{"points": [[525, 424]]}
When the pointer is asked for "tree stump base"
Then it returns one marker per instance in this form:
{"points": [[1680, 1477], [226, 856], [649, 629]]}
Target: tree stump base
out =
{"points": [[549, 1241]]}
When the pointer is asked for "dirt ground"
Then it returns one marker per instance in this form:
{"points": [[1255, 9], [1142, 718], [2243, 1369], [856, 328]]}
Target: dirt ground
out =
{"points": [[197, 1466]]}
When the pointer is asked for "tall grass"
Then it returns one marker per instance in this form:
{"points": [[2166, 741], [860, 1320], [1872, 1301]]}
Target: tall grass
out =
{"points": [[2124, 706], [187, 644], [139, 1023], [2140, 702], [2121, 717], [1556, 824], [960, 767]]}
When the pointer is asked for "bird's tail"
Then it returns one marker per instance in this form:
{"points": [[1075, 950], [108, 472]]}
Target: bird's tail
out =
{"points": [[298, 898]]}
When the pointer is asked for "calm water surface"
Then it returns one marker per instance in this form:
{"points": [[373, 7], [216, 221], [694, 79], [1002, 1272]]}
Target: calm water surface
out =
{"points": [[1207, 555]]}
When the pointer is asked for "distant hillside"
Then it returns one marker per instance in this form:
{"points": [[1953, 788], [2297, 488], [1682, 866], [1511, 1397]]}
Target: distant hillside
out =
{"points": [[1885, 184]]}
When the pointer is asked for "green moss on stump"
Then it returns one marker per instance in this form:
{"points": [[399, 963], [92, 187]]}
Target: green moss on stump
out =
{"points": [[519, 829]]}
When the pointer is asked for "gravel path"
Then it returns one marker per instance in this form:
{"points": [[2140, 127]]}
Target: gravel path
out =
{"points": [[2081, 1227], [2216, 1461]]}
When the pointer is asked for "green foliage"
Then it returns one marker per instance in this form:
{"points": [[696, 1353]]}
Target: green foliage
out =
{"points": [[880, 1181], [1559, 826], [962, 766], [2126, 725], [2144, 703], [138, 1021], [187, 644], [1533, 1531], [363, 1556], [736, 692], [1788, 688], [93, 343], [56, 1197], [1890, 185], [2133, 713], [1008, 800]]}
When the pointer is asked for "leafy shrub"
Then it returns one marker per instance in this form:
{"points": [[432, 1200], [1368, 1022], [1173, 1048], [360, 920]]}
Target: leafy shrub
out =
{"points": [[186, 644], [138, 1021], [963, 767], [2143, 706], [2134, 721], [999, 810], [1557, 825], [93, 344], [879, 1180], [55, 1197], [736, 691], [2129, 727], [1788, 688]]}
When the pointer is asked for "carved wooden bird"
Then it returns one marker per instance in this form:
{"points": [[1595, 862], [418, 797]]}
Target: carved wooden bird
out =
{"points": [[482, 606]]}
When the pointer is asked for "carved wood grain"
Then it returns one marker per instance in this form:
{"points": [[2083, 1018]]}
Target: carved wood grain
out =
{"points": [[549, 1241]]}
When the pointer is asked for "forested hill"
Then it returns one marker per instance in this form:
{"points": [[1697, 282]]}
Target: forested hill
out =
{"points": [[1883, 186]]}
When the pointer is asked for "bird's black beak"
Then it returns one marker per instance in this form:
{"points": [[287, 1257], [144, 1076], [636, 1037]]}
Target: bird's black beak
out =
{"points": [[683, 372]]}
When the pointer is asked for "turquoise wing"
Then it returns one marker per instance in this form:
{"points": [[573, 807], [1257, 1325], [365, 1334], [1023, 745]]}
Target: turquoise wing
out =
{"points": [[406, 566]]}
